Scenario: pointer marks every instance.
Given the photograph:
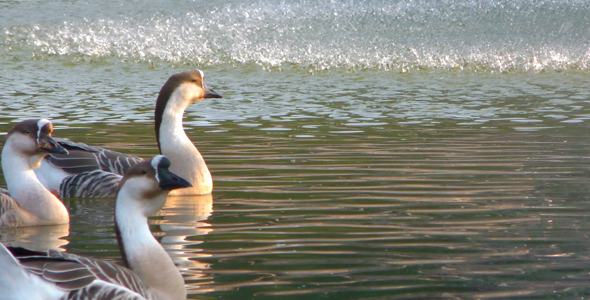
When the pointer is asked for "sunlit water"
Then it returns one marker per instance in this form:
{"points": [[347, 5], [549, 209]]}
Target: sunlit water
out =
{"points": [[362, 150]]}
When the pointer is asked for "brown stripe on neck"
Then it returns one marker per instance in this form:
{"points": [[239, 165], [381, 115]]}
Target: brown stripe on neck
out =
{"points": [[120, 242], [165, 93], [117, 230]]}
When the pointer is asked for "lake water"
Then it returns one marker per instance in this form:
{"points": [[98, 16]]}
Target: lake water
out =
{"points": [[362, 150]]}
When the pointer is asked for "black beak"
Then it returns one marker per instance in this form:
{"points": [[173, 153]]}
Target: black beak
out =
{"points": [[170, 181], [209, 93], [48, 144]]}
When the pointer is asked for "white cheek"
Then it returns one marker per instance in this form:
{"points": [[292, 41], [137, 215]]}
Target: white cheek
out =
{"points": [[141, 194], [138, 186], [24, 144], [192, 92]]}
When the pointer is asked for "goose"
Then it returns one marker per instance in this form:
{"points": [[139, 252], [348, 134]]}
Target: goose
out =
{"points": [[27, 202], [149, 271], [91, 172]]}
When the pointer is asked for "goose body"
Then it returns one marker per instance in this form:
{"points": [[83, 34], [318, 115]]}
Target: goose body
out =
{"points": [[90, 172], [95, 172], [27, 202], [149, 272]]}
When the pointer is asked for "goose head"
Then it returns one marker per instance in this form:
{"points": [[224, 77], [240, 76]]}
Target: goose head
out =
{"points": [[32, 138], [142, 193], [180, 91], [185, 88], [147, 185], [191, 85]]}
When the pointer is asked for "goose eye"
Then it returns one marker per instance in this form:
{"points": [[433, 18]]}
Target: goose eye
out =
{"points": [[27, 132], [143, 172]]}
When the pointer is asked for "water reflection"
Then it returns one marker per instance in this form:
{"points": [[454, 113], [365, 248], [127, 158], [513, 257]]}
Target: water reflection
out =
{"points": [[360, 186], [39, 238], [185, 216], [393, 212]]}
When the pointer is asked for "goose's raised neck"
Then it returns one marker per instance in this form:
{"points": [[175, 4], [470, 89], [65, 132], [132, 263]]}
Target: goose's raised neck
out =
{"points": [[28, 202], [143, 192], [153, 275], [93, 172], [180, 91]]}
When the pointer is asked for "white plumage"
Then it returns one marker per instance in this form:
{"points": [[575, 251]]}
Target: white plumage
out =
{"points": [[151, 274], [27, 202]]}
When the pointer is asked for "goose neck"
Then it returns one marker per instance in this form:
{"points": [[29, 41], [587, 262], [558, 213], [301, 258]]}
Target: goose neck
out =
{"points": [[25, 188], [141, 251]]}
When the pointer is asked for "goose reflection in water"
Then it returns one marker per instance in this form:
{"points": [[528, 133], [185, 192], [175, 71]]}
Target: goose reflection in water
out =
{"points": [[185, 216], [39, 238]]}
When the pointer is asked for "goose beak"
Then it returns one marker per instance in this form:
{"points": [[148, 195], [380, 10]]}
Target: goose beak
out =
{"points": [[170, 181], [210, 93], [48, 144]]}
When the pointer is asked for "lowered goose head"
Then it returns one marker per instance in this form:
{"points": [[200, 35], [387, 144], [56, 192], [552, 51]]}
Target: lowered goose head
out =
{"points": [[29, 203], [32, 138]]}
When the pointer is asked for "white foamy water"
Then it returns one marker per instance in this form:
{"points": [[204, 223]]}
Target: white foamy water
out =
{"points": [[317, 35]]}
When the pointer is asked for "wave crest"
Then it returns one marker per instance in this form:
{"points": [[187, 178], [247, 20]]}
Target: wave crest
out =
{"points": [[398, 36]]}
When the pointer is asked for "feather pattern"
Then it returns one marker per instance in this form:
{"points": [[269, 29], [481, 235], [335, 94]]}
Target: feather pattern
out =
{"points": [[93, 172], [86, 278], [8, 207], [93, 184], [85, 158]]}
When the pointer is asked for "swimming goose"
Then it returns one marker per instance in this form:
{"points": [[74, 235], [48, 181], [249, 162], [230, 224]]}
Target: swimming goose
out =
{"points": [[150, 272], [27, 202], [95, 172]]}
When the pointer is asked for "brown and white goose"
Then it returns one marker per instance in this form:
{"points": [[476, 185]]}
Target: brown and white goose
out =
{"points": [[95, 172], [149, 273], [27, 202]]}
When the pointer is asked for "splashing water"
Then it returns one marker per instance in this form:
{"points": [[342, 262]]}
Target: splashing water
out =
{"points": [[492, 35]]}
